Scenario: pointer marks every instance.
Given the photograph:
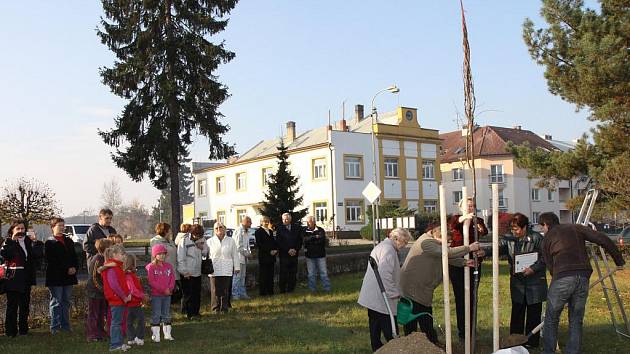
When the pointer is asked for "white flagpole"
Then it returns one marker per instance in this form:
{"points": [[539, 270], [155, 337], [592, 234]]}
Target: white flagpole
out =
{"points": [[445, 276], [495, 266], [466, 234]]}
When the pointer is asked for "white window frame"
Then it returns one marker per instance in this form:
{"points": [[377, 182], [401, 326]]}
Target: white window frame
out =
{"points": [[221, 216], [320, 211], [353, 209], [430, 205], [496, 174], [391, 167], [319, 168], [550, 195], [428, 170], [458, 174], [353, 164], [535, 195], [267, 172], [457, 196], [220, 184], [241, 181], [535, 217], [201, 188], [240, 215]]}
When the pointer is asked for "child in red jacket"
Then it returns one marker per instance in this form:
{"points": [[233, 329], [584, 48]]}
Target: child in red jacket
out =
{"points": [[117, 294], [135, 313], [162, 281]]}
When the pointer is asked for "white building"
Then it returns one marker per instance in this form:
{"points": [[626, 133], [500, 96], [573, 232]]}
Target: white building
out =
{"points": [[494, 164], [334, 165]]}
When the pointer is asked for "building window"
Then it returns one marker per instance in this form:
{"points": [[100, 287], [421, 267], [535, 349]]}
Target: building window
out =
{"points": [[353, 167], [220, 184], [221, 217], [428, 169], [240, 215], [203, 215], [321, 211], [201, 188], [535, 194], [496, 174], [458, 174], [391, 167], [550, 195], [430, 206], [241, 181], [319, 168], [267, 172], [535, 216], [457, 196], [354, 211]]}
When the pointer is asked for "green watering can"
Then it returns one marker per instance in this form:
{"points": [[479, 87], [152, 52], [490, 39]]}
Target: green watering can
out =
{"points": [[405, 311]]}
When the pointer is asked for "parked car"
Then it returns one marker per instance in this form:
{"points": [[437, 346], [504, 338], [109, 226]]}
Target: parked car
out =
{"points": [[77, 232]]}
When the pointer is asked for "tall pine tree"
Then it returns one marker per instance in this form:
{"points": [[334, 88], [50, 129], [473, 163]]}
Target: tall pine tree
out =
{"points": [[165, 67], [282, 195], [164, 201]]}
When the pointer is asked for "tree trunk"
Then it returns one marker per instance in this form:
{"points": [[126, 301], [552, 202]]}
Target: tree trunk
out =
{"points": [[176, 217]]}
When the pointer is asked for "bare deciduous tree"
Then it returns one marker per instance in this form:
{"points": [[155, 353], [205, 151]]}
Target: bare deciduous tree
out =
{"points": [[111, 196], [28, 199]]}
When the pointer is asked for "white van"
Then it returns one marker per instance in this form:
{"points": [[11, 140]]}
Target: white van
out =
{"points": [[77, 232]]}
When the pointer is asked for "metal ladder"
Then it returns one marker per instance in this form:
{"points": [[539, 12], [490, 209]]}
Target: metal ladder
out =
{"points": [[607, 279]]}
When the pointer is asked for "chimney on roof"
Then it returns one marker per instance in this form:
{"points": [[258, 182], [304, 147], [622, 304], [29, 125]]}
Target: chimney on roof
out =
{"points": [[548, 137], [343, 125], [290, 132], [517, 127], [358, 113]]}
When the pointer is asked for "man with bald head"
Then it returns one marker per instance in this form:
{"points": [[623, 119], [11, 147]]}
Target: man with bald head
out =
{"points": [[241, 238], [289, 244], [315, 245]]}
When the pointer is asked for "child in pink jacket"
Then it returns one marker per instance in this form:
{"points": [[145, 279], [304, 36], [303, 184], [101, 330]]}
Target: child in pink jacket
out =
{"points": [[161, 277]]}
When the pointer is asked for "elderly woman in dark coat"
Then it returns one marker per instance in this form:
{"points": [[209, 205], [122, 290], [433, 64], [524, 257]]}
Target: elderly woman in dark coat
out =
{"points": [[19, 257], [528, 288]]}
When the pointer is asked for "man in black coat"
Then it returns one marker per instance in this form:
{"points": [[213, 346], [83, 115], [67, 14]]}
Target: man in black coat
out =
{"points": [[289, 244], [101, 229]]}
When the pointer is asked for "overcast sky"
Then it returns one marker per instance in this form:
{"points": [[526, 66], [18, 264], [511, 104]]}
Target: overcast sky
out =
{"points": [[295, 60]]}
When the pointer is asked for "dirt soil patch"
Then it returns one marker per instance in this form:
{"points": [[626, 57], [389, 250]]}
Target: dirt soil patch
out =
{"points": [[415, 343]]}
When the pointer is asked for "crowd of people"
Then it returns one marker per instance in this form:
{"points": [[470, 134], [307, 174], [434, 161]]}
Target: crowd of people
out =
{"points": [[116, 295], [562, 251]]}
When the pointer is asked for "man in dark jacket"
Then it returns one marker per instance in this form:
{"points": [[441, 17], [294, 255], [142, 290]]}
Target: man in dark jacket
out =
{"points": [[101, 229], [564, 252], [289, 244], [315, 252]]}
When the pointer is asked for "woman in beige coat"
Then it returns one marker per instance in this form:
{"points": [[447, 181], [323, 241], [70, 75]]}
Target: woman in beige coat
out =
{"points": [[386, 256], [422, 273]]}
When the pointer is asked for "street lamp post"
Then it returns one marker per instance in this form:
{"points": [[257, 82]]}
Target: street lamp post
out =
{"points": [[392, 89], [84, 212]]}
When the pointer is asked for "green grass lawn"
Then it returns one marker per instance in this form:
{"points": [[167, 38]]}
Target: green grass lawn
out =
{"points": [[323, 323]]}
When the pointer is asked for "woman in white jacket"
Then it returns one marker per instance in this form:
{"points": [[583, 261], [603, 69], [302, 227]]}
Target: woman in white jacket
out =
{"points": [[189, 253], [224, 254], [386, 256]]}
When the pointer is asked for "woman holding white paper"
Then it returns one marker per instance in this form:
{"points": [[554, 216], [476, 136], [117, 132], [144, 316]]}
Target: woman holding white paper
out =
{"points": [[528, 283]]}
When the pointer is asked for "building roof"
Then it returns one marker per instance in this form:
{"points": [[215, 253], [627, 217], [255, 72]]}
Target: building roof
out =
{"points": [[489, 141], [198, 166], [269, 147]]}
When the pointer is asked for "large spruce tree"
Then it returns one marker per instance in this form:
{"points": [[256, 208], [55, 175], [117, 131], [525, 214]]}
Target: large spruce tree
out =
{"points": [[165, 68], [282, 196], [587, 62]]}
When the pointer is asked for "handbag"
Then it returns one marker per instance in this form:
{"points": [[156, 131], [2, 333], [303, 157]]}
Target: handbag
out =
{"points": [[206, 266]]}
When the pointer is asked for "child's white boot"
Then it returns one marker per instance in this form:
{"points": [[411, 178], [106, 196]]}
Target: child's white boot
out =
{"points": [[155, 333], [167, 332]]}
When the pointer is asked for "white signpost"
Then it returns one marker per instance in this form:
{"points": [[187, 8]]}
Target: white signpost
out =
{"points": [[371, 192]]}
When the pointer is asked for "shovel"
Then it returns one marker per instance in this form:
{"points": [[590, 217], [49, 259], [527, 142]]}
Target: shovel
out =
{"points": [[374, 266]]}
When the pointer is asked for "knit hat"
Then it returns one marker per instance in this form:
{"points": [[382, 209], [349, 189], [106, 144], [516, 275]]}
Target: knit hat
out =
{"points": [[157, 249]]}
